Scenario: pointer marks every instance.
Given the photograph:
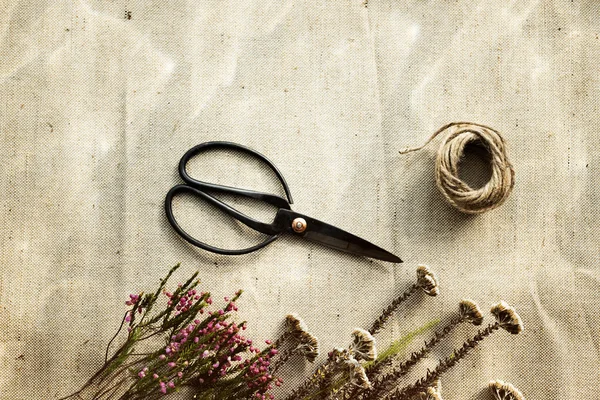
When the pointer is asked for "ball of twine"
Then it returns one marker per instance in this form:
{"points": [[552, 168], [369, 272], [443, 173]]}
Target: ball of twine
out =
{"points": [[456, 191]]}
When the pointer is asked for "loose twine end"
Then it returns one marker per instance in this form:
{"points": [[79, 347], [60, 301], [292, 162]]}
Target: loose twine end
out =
{"points": [[456, 191]]}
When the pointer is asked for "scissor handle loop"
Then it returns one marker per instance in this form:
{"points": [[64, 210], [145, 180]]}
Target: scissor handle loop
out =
{"points": [[272, 199], [250, 222]]}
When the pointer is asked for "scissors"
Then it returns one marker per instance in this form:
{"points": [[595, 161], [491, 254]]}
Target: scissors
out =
{"points": [[285, 221]]}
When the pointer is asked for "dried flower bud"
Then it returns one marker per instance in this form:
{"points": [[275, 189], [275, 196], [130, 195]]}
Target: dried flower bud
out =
{"points": [[358, 375], [470, 311], [505, 391], [427, 280], [507, 317], [363, 345]]}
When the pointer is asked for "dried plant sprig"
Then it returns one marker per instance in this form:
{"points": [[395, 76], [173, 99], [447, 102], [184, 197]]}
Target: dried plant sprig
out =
{"points": [[426, 280], [387, 313], [363, 345], [468, 312], [505, 391], [506, 318], [204, 350]]}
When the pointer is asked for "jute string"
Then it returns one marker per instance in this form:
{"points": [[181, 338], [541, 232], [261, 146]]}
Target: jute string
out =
{"points": [[456, 191]]}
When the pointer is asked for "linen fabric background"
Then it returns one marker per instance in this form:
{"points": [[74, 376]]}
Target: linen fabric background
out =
{"points": [[100, 99]]}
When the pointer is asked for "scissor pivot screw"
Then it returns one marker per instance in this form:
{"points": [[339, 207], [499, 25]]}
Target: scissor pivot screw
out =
{"points": [[299, 225]]}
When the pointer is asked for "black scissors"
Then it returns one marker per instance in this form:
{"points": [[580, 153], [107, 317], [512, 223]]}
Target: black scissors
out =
{"points": [[285, 220]]}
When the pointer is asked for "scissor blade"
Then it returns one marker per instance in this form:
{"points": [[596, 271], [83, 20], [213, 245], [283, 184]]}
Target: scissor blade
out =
{"points": [[329, 235]]}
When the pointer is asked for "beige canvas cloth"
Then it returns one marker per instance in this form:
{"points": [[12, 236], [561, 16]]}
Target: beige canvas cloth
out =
{"points": [[99, 100]]}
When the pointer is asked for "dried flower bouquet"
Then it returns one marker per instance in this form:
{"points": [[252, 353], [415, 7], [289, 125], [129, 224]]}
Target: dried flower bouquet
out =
{"points": [[185, 345]]}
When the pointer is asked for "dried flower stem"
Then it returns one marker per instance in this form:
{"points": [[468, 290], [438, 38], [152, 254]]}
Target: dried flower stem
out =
{"points": [[313, 381], [387, 313], [284, 356], [443, 366], [383, 383]]}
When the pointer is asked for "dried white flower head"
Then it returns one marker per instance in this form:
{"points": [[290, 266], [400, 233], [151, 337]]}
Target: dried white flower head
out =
{"points": [[505, 391], [358, 375], [507, 317], [309, 344], [427, 280], [470, 311], [295, 324], [363, 345]]}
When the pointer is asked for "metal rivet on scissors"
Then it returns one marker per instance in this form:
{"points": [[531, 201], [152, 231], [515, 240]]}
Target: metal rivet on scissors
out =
{"points": [[285, 220]]}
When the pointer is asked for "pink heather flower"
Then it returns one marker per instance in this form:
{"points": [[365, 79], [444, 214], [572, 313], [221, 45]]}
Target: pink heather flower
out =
{"points": [[128, 317], [205, 354], [268, 341], [171, 384], [216, 365], [200, 380], [209, 300], [226, 298], [163, 387], [180, 374], [171, 364], [155, 376], [142, 374]]}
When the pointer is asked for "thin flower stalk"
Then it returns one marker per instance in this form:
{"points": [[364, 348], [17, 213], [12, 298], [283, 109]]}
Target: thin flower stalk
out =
{"points": [[426, 281], [389, 311]]}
